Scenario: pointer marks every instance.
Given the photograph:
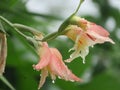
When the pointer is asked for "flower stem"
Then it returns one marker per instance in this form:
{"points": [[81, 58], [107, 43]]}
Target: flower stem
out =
{"points": [[11, 25], [50, 36], [17, 27], [1, 28], [68, 21], [6, 82], [26, 28], [81, 1]]}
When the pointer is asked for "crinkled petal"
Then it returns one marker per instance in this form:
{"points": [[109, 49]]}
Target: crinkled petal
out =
{"points": [[45, 55], [42, 63], [81, 47], [53, 77], [73, 31], [84, 53], [98, 30], [100, 39], [99, 33], [74, 55], [44, 74], [59, 68]]}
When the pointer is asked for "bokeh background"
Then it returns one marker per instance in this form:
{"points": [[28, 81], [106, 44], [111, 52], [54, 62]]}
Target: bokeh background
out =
{"points": [[102, 68]]}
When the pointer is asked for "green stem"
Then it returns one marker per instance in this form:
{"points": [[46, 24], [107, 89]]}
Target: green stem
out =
{"points": [[26, 28], [1, 28], [67, 21], [30, 39], [6, 82], [53, 35], [11, 25], [63, 26], [81, 1], [50, 36]]}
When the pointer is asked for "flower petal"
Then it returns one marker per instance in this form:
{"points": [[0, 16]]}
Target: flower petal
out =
{"points": [[98, 30], [73, 31], [45, 55], [53, 77], [59, 68], [100, 39], [44, 74]]}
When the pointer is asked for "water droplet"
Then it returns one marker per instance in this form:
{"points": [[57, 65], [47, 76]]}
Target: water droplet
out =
{"points": [[72, 80], [53, 81], [59, 77], [71, 56], [83, 61], [33, 67]]}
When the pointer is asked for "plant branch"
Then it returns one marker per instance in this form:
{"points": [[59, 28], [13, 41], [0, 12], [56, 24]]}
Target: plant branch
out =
{"points": [[6, 82], [81, 1], [26, 28], [11, 25]]}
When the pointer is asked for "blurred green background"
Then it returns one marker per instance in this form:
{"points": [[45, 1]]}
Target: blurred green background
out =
{"points": [[102, 68]]}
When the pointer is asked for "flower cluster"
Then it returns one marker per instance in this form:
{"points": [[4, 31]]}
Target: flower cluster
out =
{"points": [[84, 33]]}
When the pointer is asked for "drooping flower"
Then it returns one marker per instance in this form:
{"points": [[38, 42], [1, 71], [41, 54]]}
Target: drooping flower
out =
{"points": [[3, 52], [85, 34], [51, 62]]}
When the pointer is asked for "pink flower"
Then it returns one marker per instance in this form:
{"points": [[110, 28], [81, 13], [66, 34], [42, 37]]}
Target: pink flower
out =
{"points": [[85, 34], [51, 61]]}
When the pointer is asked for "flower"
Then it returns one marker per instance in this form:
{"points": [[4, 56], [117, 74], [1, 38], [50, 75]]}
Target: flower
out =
{"points": [[3, 52], [51, 61], [85, 34]]}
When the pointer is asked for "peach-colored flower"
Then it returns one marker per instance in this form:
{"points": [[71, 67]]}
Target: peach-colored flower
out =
{"points": [[85, 34], [51, 61], [3, 52]]}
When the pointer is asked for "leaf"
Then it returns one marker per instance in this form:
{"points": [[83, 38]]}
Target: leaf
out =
{"points": [[3, 52]]}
